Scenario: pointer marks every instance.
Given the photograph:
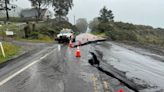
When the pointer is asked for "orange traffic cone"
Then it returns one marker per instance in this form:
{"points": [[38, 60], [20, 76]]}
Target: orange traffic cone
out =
{"points": [[77, 54], [70, 44], [120, 90]]}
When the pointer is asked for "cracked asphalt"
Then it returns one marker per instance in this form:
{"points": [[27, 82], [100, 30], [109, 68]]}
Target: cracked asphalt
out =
{"points": [[59, 71], [54, 68]]}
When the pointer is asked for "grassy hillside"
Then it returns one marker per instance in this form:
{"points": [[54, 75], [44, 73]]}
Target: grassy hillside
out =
{"points": [[129, 32]]}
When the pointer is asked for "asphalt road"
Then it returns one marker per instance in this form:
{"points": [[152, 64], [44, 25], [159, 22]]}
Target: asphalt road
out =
{"points": [[56, 69], [140, 68]]}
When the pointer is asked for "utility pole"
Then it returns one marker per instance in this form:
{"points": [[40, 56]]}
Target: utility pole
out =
{"points": [[6, 9]]}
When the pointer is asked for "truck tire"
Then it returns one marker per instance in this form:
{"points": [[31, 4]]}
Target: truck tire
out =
{"points": [[59, 41]]}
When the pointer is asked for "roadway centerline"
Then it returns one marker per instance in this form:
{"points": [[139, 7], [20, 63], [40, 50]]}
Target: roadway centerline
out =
{"points": [[94, 79], [106, 86], [24, 68]]}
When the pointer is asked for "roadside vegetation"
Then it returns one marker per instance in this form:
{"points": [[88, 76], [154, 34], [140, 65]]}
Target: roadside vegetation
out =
{"points": [[81, 25], [10, 51], [35, 31], [105, 25], [30, 32], [36, 28]]}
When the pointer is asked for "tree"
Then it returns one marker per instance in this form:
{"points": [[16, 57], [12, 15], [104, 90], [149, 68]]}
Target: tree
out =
{"points": [[37, 4], [82, 25], [106, 15], [4, 6], [62, 7], [94, 23], [104, 23]]}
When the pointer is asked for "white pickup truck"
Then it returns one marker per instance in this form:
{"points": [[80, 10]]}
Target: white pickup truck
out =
{"points": [[65, 35]]}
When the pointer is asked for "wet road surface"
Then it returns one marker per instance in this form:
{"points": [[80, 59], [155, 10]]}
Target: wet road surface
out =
{"points": [[54, 68], [140, 67], [58, 71]]}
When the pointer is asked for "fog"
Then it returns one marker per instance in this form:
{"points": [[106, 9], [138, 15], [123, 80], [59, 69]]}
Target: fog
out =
{"points": [[147, 12]]}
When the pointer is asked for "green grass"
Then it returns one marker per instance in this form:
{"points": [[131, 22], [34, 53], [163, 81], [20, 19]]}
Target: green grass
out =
{"points": [[10, 51]]}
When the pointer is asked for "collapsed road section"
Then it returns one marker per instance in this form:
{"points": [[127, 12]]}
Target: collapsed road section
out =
{"points": [[94, 61], [133, 69]]}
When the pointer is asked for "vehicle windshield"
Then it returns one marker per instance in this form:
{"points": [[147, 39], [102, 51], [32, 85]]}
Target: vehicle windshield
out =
{"points": [[62, 32]]}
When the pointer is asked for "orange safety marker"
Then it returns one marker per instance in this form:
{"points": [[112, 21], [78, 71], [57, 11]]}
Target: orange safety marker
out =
{"points": [[77, 54], [70, 43], [121, 90]]}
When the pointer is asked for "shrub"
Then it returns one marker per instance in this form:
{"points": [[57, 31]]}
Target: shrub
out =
{"points": [[44, 38], [126, 31]]}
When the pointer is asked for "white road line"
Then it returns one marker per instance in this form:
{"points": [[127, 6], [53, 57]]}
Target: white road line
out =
{"points": [[23, 69]]}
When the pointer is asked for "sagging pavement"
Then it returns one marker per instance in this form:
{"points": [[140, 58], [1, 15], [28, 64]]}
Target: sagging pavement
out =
{"points": [[141, 72], [133, 79], [87, 38]]}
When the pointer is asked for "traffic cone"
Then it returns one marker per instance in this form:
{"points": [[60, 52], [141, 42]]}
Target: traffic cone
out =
{"points": [[70, 44], [121, 90], [77, 54]]}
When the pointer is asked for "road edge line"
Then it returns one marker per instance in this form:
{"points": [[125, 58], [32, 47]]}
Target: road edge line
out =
{"points": [[24, 68]]}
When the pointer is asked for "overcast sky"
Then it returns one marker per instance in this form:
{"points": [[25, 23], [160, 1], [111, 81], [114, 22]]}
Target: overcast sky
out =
{"points": [[147, 12]]}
